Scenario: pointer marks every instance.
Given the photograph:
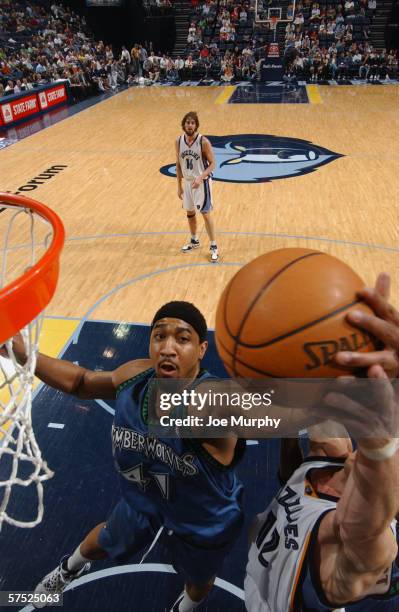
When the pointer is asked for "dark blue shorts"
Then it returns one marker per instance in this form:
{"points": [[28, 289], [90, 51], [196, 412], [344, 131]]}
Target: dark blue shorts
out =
{"points": [[128, 532]]}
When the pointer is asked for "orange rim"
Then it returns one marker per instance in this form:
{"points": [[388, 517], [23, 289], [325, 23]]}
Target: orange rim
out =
{"points": [[25, 297]]}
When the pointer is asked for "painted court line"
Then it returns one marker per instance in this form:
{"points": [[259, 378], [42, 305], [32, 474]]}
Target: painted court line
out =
{"points": [[226, 94], [366, 245], [105, 406], [137, 279], [314, 94], [138, 568]]}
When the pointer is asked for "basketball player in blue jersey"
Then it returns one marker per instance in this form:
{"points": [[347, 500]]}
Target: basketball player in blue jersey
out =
{"points": [[195, 162], [328, 539], [181, 494]]}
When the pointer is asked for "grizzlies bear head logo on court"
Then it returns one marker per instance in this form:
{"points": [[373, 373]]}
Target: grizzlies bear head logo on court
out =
{"points": [[259, 158]]}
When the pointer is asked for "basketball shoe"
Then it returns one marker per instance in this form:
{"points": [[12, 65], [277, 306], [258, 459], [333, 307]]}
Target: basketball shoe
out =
{"points": [[214, 253], [57, 580], [193, 244], [176, 605]]}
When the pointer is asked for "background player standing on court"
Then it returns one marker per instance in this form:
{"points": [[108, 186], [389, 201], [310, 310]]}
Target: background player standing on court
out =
{"points": [[195, 162]]}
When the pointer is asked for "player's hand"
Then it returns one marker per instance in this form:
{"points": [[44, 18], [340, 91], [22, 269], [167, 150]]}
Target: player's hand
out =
{"points": [[197, 182], [383, 325], [180, 193], [368, 408], [18, 348]]}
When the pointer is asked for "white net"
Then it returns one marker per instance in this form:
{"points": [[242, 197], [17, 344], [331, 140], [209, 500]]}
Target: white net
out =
{"points": [[26, 236]]}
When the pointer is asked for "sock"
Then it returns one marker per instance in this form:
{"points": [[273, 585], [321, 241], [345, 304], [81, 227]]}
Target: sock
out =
{"points": [[213, 243], [76, 561], [194, 237], [187, 604]]}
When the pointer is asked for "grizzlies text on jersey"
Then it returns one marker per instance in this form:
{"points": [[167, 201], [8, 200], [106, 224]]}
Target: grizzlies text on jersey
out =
{"points": [[191, 159]]}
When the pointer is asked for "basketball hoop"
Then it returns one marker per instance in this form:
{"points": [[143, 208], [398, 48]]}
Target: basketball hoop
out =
{"points": [[33, 239]]}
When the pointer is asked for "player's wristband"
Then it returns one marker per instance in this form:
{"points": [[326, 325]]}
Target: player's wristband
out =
{"points": [[379, 454]]}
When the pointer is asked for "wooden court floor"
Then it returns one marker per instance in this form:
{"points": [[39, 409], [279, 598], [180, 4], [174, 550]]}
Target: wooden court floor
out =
{"points": [[124, 222]]}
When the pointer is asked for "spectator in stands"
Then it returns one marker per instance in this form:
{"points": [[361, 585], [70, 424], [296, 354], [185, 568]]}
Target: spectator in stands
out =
{"points": [[374, 63], [147, 65], [17, 87], [289, 77], [243, 15], [188, 67], [315, 14], [392, 63], [163, 66], [191, 34], [344, 65], [382, 62], [372, 6], [142, 55], [154, 73], [179, 66], [26, 85], [125, 55], [9, 88], [109, 54], [364, 68], [134, 60], [112, 73], [227, 74], [299, 18]]}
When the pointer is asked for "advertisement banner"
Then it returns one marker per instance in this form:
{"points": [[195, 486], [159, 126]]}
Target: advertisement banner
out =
{"points": [[52, 97], [14, 110]]}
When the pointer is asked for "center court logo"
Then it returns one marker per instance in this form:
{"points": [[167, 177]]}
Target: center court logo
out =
{"points": [[259, 158]]}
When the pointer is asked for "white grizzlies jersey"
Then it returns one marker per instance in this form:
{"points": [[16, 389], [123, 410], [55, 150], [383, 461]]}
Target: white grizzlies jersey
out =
{"points": [[192, 162], [280, 540]]}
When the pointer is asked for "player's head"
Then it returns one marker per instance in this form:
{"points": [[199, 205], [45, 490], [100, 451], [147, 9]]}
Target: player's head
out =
{"points": [[178, 340], [332, 480], [190, 123]]}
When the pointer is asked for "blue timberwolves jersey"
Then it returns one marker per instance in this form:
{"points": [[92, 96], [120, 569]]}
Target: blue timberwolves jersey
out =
{"points": [[174, 481]]}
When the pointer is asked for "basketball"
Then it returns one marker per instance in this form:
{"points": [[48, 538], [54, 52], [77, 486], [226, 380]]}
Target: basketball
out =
{"points": [[283, 315]]}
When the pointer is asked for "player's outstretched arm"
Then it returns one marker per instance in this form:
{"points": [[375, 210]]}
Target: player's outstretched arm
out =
{"points": [[356, 545], [77, 380]]}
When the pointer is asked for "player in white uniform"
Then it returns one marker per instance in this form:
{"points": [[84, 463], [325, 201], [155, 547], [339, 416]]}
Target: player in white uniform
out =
{"points": [[195, 162], [328, 539]]}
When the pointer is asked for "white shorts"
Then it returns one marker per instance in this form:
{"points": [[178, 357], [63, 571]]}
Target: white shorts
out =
{"points": [[197, 200]]}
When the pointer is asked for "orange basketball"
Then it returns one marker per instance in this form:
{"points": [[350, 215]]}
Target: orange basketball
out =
{"points": [[283, 315]]}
